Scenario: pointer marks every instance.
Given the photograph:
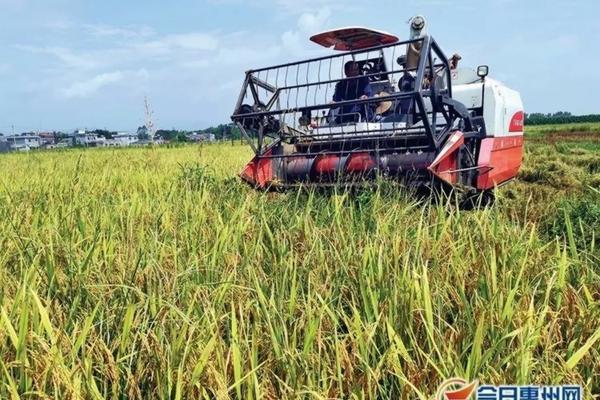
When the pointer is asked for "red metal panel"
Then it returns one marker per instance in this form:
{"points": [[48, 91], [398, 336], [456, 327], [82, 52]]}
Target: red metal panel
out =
{"points": [[326, 164], [446, 162], [359, 163], [445, 168], [501, 157], [353, 38], [259, 171]]}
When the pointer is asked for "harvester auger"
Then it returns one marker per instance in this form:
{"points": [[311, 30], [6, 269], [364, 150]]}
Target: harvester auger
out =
{"points": [[381, 107]]}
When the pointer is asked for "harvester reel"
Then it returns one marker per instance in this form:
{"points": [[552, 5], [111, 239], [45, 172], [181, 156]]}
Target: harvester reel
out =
{"points": [[253, 123]]}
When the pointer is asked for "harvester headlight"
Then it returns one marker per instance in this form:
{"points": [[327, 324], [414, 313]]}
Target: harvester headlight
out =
{"points": [[482, 71]]}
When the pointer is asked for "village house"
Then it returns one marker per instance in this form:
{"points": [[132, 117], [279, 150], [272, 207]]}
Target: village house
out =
{"points": [[47, 139], [83, 138], [24, 142], [123, 139], [201, 137]]}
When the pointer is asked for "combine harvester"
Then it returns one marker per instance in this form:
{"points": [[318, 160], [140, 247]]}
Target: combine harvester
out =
{"points": [[381, 107]]}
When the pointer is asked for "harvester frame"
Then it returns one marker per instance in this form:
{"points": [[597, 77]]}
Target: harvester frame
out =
{"points": [[414, 146]]}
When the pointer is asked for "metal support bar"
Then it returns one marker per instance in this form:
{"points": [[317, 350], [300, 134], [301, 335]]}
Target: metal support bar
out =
{"points": [[392, 97], [247, 138], [340, 152], [341, 55], [254, 92], [263, 84], [242, 94], [326, 82], [454, 171]]}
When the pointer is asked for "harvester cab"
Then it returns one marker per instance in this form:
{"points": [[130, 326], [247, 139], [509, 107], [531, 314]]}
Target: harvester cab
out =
{"points": [[379, 107]]}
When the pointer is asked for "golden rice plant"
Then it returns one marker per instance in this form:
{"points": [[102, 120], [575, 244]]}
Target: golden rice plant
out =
{"points": [[155, 273]]}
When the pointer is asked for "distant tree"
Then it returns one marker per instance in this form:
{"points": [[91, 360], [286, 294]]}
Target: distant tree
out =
{"points": [[142, 133], [223, 131], [220, 132], [562, 114], [172, 135], [235, 132]]}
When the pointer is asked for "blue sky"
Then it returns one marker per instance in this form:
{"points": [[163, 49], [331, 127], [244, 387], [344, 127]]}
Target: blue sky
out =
{"points": [[69, 64]]}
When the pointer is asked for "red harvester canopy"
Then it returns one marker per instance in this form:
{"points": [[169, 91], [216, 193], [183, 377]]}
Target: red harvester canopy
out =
{"points": [[353, 38]]}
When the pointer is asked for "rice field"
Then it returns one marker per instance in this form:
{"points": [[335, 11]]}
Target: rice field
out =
{"points": [[155, 273]]}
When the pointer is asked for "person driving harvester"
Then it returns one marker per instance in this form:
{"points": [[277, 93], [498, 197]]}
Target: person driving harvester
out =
{"points": [[353, 87], [403, 107]]}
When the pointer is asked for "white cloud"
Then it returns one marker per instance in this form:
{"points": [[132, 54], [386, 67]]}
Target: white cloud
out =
{"points": [[91, 86], [291, 40], [309, 6], [291, 7], [312, 22], [134, 49], [102, 30], [59, 23], [307, 25], [67, 56], [197, 64], [205, 67], [196, 41]]}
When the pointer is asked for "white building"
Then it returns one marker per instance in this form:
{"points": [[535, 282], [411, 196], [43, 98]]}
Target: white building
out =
{"points": [[24, 142], [124, 139], [82, 138], [201, 137]]}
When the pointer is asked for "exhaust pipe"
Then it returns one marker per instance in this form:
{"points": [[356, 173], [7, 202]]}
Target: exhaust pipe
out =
{"points": [[417, 25], [413, 51]]}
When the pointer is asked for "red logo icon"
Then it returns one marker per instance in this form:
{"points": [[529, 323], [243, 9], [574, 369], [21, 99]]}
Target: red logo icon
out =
{"points": [[517, 123], [456, 389]]}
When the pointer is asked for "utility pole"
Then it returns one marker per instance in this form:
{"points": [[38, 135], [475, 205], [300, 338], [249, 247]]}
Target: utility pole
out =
{"points": [[150, 129]]}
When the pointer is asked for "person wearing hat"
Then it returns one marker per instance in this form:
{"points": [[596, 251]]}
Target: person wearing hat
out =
{"points": [[354, 87], [453, 61], [384, 108], [405, 85]]}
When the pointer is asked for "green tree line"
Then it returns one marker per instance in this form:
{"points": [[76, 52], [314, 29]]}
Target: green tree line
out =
{"points": [[561, 117], [221, 132]]}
